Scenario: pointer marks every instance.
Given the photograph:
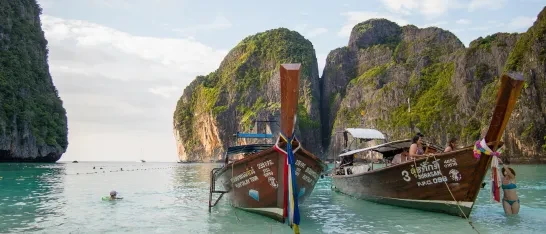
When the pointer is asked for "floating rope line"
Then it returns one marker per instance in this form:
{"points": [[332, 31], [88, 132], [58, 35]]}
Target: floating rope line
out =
{"points": [[99, 172]]}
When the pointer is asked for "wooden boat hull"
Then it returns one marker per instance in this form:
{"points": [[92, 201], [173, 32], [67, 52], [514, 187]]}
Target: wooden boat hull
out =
{"points": [[256, 183], [446, 182], [420, 184]]}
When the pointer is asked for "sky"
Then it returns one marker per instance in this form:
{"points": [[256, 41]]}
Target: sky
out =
{"points": [[121, 65]]}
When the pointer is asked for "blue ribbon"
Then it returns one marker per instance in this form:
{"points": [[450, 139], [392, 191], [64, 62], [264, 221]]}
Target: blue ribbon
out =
{"points": [[292, 163]]}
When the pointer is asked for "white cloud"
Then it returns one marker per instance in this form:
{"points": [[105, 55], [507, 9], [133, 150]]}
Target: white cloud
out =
{"points": [[300, 27], [165, 91], [464, 21], [113, 3], [355, 17], [219, 23], [486, 4], [458, 30], [434, 8], [435, 24], [46, 4], [521, 22], [309, 33], [492, 26], [120, 90], [428, 8], [401, 6], [315, 32]]}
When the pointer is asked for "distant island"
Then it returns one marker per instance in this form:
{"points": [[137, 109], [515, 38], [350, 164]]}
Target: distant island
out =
{"points": [[451, 89]]}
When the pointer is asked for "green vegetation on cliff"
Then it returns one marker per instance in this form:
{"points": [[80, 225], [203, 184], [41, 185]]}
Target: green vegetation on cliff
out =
{"points": [[367, 78], [451, 89], [529, 57], [28, 98], [239, 86], [416, 69], [536, 33], [430, 102]]}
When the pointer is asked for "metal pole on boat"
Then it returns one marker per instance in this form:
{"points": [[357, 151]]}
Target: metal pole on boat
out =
{"points": [[409, 113]]}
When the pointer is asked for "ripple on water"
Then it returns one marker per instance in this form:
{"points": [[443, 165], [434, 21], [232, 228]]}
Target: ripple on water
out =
{"points": [[175, 200]]}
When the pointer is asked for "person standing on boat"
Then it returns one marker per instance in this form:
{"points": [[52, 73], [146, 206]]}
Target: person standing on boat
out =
{"points": [[452, 145], [416, 148], [510, 201]]}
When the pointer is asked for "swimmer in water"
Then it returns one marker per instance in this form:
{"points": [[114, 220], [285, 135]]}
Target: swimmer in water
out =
{"points": [[113, 196]]}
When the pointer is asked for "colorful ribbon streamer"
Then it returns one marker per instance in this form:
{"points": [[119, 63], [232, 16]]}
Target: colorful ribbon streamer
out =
{"points": [[291, 208], [481, 148]]}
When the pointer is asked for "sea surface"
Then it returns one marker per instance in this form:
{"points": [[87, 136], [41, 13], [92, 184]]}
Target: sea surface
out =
{"points": [[172, 198]]}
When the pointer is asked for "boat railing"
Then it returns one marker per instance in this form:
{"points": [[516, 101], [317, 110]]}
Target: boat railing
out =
{"points": [[213, 190], [356, 169], [360, 168]]}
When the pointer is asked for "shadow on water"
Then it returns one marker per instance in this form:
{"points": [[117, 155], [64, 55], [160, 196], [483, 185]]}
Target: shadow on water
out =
{"points": [[30, 196]]}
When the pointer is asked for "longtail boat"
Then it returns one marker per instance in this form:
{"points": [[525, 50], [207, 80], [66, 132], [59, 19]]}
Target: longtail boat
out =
{"points": [[441, 182], [271, 179], [387, 150]]}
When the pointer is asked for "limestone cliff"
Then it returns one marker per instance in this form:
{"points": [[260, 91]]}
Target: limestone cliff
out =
{"points": [[526, 133], [450, 88], [33, 124], [246, 88]]}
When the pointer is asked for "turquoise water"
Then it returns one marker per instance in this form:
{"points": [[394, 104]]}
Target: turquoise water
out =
{"points": [[173, 198]]}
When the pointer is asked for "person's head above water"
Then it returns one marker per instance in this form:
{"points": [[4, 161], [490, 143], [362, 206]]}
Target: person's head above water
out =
{"points": [[113, 193]]}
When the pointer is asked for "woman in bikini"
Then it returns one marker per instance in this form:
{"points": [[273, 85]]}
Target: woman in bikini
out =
{"points": [[510, 201], [452, 145], [416, 148]]}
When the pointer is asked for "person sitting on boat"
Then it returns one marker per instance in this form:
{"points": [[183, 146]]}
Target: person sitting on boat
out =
{"points": [[397, 159], [416, 148], [452, 145], [347, 160], [510, 199], [400, 158]]}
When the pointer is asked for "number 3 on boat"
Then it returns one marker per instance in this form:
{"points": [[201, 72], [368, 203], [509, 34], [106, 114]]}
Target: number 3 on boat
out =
{"points": [[443, 182]]}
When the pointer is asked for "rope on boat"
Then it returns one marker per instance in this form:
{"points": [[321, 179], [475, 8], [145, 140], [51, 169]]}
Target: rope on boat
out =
{"points": [[456, 202]]}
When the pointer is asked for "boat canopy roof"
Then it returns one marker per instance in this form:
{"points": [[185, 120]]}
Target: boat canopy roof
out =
{"points": [[389, 149], [365, 133], [242, 149], [383, 148], [253, 135]]}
